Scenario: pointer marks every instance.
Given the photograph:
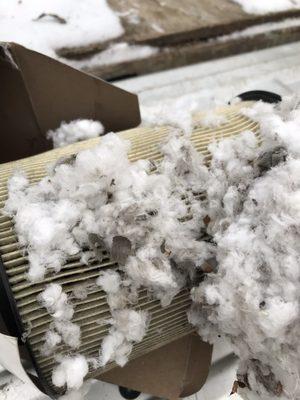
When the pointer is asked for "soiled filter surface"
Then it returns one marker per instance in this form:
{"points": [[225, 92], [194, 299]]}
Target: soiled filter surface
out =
{"points": [[167, 324]]}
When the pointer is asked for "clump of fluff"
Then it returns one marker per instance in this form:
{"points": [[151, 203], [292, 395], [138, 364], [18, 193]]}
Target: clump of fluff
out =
{"points": [[127, 327], [212, 120], [101, 193], [231, 170], [61, 329], [75, 131], [176, 113], [51, 340], [253, 300], [70, 372], [109, 281], [161, 222], [118, 295], [56, 302]]}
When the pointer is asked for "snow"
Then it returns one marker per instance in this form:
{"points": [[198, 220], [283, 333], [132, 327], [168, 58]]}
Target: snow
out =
{"points": [[267, 6], [260, 29], [114, 54], [49, 26], [79, 23], [14, 389], [75, 131]]}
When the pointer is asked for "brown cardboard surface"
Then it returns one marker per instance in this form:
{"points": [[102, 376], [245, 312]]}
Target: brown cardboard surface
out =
{"points": [[176, 370], [38, 93]]}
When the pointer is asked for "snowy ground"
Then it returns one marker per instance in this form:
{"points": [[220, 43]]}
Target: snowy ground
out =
{"points": [[208, 84], [49, 26], [267, 6], [45, 26]]}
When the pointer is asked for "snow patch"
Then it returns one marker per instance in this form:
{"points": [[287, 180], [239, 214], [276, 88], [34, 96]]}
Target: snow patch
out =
{"points": [[261, 7], [259, 29], [115, 54], [47, 26]]}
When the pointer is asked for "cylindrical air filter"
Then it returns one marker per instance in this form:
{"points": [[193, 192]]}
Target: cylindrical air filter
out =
{"points": [[19, 306]]}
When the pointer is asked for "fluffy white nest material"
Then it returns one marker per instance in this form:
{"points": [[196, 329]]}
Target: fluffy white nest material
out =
{"points": [[70, 372], [128, 326], [62, 329], [75, 131], [253, 299], [99, 199], [232, 227]]}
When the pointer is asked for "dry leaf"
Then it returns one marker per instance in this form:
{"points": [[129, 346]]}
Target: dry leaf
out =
{"points": [[121, 249], [97, 245]]}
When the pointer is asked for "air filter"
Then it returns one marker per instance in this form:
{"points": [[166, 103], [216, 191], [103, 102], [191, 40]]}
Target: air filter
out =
{"points": [[22, 311]]}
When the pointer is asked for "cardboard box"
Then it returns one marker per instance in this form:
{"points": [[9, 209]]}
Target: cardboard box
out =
{"points": [[37, 93]]}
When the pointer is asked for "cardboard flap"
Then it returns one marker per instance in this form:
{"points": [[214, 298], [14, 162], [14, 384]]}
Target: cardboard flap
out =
{"points": [[175, 370], [38, 93]]}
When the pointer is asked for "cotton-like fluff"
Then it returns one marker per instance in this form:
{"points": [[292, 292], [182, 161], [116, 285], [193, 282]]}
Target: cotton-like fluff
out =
{"points": [[118, 296], [61, 329], [75, 131], [177, 113], [212, 120], [110, 281], [128, 327], [253, 299], [70, 372], [231, 170], [51, 340], [100, 194], [147, 217], [56, 302], [114, 347], [69, 332], [47, 216], [163, 223], [132, 324]]}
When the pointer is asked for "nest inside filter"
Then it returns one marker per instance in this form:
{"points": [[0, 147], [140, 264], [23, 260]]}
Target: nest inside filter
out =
{"points": [[229, 230]]}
